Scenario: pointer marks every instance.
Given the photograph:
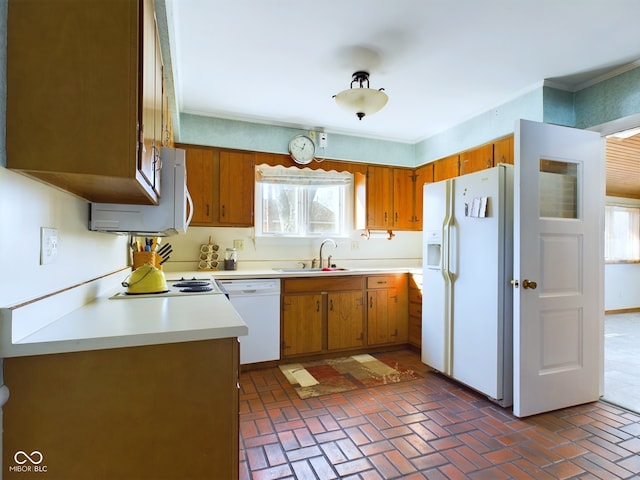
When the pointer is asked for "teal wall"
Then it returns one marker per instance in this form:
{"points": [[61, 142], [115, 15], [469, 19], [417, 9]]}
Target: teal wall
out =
{"points": [[495, 123], [220, 132], [558, 107], [611, 99]]}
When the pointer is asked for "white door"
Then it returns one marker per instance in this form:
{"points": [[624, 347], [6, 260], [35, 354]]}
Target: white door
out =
{"points": [[436, 306], [558, 258]]}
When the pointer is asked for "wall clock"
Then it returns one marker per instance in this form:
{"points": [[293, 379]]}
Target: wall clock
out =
{"points": [[302, 149]]}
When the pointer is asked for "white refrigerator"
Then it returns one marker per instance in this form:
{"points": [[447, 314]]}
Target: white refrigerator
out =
{"points": [[467, 314]]}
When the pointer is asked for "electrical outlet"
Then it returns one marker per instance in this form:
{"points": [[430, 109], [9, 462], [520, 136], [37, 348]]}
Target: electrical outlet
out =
{"points": [[323, 140], [312, 135], [48, 245], [355, 245], [238, 245]]}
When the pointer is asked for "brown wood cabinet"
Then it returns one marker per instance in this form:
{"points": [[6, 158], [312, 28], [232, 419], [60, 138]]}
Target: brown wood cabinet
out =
{"points": [[446, 168], [391, 198], [415, 310], [158, 411], [221, 183], [379, 198], [85, 82], [345, 320], [302, 324], [424, 175], [479, 158], [322, 314], [202, 175], [404, 206], [503, 150], [387, 309], [237, 186]]}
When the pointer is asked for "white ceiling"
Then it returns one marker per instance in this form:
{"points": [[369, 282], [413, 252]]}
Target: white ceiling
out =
{"points": [[440, 61]]}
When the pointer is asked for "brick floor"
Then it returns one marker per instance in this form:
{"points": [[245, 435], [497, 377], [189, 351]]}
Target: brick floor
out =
{"points": [[430, 428]]}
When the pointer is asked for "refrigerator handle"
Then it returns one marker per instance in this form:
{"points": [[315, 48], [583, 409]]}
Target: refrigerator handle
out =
{"points": [[453, 257]]}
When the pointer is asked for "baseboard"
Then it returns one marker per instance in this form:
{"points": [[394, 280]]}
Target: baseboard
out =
{"points": [[622, 310]]}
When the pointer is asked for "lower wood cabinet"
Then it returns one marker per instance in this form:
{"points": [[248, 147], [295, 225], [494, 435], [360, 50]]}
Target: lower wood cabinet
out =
{"points": [[322, 314], [345, 320], [415, 310], [302, 319], [343, 313], [387, 309], [150, 412]]}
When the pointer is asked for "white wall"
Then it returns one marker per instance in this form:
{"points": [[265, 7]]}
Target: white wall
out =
{"points": [[27, 205], [403, 250], [622, 281], [621, 286]]}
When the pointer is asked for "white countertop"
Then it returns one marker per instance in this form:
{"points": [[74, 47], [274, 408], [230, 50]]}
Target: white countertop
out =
{"points": [[275, 273], [51, 325], [104, 323]]}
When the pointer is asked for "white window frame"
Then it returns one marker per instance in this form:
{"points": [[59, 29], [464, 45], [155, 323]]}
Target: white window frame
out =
{"points": [[304, 178]]}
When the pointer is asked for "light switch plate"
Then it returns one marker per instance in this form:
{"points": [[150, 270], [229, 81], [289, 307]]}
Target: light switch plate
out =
{"points": [[48, 245]]}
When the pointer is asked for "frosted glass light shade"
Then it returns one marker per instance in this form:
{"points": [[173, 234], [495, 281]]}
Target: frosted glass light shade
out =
{"points": [[361, 101]]}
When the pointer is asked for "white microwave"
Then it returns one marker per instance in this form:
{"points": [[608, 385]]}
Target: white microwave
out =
{"points": [[171, 216]]}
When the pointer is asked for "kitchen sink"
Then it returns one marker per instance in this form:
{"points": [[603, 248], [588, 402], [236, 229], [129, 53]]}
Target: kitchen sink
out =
{"points": [[309, 270]]}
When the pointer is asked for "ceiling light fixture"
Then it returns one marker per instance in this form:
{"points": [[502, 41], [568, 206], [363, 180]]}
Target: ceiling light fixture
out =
{"points": [[363, 100]]}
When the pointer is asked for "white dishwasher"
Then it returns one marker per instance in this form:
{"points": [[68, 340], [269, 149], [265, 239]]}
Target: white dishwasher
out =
{"points": [[258, 303]]}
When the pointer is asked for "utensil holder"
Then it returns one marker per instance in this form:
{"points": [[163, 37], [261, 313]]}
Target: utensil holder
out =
{"points": [[140, 258]]}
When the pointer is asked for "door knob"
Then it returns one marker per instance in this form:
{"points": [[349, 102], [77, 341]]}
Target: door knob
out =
{"points": [[515, 283], [529, 284]]}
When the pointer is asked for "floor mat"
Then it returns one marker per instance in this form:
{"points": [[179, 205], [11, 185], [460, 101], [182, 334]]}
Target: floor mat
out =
{"points": [[335, 375]]}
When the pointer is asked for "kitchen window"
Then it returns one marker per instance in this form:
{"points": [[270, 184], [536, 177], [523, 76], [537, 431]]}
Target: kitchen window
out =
{"points": [[622, 234], [301, 202]]}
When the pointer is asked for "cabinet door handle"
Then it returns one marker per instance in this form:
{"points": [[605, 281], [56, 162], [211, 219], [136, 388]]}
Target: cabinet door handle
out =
{"points": [[223, 213], [370, 302], [396, 217], [331, 304], [317, 305], [386, 216], [207, 209]]}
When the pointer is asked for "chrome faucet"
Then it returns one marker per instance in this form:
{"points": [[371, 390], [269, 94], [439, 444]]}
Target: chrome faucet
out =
{"points": [[322, 245]]}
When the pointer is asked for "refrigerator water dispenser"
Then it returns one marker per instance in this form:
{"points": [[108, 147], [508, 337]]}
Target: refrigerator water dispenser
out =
{"points": [[434, 248]]}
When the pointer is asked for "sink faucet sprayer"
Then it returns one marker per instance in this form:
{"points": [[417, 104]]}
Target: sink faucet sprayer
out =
{"points": [[322, 245]]}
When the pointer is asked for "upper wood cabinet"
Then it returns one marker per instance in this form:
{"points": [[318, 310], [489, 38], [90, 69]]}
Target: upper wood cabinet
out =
{"points": [[221, 184], [424, 175], [503, 150], [237, 185], [390, 198], [202, 175], [404, 185], [379, 198], [84, 109], [476, 159], [446, 168]]}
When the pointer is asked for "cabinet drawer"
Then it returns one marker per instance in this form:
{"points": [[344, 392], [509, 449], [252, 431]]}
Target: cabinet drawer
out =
{"points": [[383, 281], [415, 310], [327, 284]]}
